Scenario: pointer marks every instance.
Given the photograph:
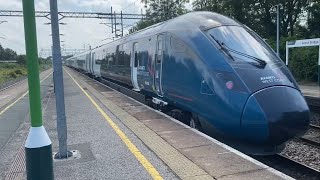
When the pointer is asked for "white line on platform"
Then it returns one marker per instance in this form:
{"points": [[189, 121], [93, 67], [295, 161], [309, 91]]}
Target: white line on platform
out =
{"points": [[8, 107]]}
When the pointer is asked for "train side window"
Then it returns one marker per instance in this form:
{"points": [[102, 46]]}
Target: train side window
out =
{"points": [[177, 45], [99, 61], [159, 50], [135, 46], [110, 60], [136, 59]]}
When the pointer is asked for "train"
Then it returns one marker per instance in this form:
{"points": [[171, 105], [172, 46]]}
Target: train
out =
{"points": [[212, 72]]}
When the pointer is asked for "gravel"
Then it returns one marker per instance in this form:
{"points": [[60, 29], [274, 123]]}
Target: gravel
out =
{"points": [[303, 153], [315, 119]]}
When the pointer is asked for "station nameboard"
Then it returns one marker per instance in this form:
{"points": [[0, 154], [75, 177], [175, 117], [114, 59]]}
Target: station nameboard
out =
{"points": [[304, 43]]}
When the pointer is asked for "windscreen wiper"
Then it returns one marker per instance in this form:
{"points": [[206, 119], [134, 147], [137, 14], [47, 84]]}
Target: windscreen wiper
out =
{"points": [[222, 47], [260, 61]]}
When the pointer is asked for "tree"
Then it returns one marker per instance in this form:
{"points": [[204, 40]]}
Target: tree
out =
{"points": [[259, 15], [1, 52], [8, 54], [21, 59], [313, 21]]}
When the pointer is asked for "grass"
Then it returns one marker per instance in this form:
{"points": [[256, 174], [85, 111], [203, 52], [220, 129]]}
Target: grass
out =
{"points": [[11, 71]]}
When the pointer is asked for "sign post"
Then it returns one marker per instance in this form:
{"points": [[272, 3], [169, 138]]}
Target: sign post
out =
{"points": [[38, 147], [58, 83], [304, 43]]}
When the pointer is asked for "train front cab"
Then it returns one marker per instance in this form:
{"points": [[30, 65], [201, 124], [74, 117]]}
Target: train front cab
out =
{"points": [[275, 111]]}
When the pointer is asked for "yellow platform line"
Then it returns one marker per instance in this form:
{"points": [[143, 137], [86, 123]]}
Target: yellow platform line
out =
{"points": [[23, 95], [134, 150]]}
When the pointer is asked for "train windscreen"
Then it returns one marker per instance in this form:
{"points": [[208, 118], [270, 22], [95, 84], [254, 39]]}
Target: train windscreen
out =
{"points": [[243, 45], [253, 60]]}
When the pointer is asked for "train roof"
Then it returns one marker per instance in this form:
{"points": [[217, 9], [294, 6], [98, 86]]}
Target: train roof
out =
{"points": [[202, 20], [197, 20], [193, 21]]}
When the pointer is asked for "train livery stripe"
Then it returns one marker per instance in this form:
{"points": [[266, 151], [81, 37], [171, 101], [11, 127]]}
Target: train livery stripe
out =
{"points": [[134, 150], [180, 97], [23, 95]]}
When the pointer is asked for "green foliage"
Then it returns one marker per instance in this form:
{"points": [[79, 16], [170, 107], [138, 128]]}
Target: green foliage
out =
{"points": [[303, 63], [259, 15], [7, 54], [314, 19], [10, 71], [21, 59]]}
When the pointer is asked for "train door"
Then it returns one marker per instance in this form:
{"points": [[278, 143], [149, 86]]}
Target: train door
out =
{"points": [[96, 57], [158, 65], [87, 60], [91, 62], [134, 69]]}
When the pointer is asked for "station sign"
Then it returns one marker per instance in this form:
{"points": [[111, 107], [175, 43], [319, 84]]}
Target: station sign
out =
{"points": [[304, 43]]}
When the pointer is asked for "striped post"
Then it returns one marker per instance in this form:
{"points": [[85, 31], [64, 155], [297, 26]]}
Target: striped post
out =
{"points": [[38, 148]]}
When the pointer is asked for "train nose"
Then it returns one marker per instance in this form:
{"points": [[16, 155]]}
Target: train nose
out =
{"points": [[274, 115]]}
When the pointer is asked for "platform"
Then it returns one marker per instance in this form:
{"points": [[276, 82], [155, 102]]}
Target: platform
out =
{"points": [[116, 137], [310, 90], [312, 96]]}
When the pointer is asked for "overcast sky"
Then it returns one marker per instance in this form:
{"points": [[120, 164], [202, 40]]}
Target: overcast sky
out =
{"points": [[78, 33]]}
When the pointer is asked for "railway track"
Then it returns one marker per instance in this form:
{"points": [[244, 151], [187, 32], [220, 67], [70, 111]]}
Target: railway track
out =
{"points": [[314, 139], [315, 127], [12, 85], [290, 167]]}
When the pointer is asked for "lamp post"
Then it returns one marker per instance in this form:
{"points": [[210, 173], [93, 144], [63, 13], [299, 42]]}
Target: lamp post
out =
{"points": [[38, 146]]}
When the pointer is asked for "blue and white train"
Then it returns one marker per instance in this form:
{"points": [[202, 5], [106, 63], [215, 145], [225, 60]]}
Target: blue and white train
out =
{"points": [[217, 72]]}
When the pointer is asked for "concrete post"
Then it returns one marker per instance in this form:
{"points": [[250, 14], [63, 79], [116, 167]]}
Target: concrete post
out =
{"points": [[58, 82], [38, 148]]}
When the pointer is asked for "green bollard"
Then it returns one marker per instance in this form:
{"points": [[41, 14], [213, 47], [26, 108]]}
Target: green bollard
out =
{"points": [[38, 149]]}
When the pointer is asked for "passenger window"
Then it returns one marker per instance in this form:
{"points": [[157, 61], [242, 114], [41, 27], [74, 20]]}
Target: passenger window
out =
{"points": [[135, 59], [99, 62], [110, 60], [159, 52]]}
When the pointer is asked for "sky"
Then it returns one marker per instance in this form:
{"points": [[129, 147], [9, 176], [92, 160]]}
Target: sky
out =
{"points": [[77, 33]]}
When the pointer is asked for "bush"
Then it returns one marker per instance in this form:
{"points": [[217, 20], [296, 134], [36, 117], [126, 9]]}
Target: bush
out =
{"points": [[12, 74], [18, 72]]}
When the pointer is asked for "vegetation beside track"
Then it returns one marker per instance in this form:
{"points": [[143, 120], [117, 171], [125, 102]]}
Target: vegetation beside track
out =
{"points": [[13, 71], [13, 66]]}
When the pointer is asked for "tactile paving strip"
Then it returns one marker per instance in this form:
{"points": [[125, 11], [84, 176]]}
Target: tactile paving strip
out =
{"points": [[18, 168]]}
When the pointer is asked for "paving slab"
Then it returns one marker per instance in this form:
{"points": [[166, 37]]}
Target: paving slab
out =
{"points": [[184, 138], [220, 162], [147, 115], [310, 90], [164, 124]]}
